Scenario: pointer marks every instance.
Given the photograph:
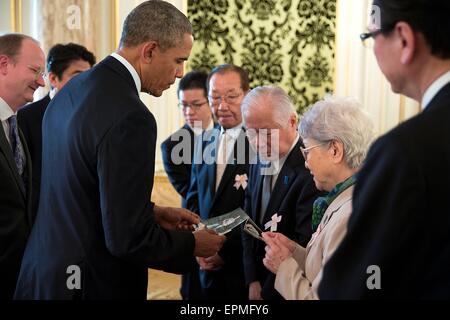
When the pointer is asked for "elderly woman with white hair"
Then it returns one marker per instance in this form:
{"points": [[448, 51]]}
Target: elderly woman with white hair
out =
{"points": [[336, 135]]}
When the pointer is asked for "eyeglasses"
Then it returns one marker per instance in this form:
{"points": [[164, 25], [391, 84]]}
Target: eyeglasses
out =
{"points": [[367, 38], [194, 105], [305, 151], [38, 72], [230, 98]]}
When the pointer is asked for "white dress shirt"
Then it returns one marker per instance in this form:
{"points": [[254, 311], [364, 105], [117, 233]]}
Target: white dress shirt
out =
{"points": [[130, 68], [434, 88], [5, 113]]}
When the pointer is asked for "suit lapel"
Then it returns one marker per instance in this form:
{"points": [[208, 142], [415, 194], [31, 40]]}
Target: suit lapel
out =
{"points": [[211, 167], [259, 185], [286, 177], [29, 176], [232, 165], [7, 151]]}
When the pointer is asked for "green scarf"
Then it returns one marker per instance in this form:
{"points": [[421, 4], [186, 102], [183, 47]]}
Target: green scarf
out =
{"points": [[321, 204]]}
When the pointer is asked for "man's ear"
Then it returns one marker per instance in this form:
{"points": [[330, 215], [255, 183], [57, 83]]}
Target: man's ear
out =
{"points": [[148, 51], [4, 61], [408, 42], [53, 79]]}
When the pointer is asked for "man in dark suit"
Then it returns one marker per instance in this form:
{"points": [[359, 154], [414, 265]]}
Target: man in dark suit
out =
{"points": [[96, 231], [398, 239], [283, 189], [214, 189], [63, 63], [22, 62], [193, 101], [178, 150]]}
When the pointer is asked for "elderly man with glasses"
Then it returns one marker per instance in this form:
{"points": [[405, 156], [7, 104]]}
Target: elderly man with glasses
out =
{"points": [[398, 241], [218, 181]]}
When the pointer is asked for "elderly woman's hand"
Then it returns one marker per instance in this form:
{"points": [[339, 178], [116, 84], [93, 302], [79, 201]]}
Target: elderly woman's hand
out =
{"points": [[278, 248]]}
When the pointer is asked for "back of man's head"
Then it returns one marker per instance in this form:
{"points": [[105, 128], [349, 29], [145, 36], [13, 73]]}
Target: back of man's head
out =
{"points": [[61, 56], [429, 17], [11, 44], [193, 80], [155, 20]]}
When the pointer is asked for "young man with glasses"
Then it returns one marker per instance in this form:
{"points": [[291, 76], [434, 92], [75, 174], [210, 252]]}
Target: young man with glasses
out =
{"points": [[398, 242], [64, 61], [178, 150], [21, 60]]}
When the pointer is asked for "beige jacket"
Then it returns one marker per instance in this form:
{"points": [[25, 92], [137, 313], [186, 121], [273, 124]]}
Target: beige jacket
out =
{"points": [[298, 277]]}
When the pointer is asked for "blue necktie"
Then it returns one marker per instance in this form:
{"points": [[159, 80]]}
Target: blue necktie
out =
{"points": [[16, 145]]}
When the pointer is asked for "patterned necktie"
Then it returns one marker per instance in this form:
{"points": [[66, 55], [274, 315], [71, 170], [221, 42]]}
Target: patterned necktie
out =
{"points": [[16, 145]]}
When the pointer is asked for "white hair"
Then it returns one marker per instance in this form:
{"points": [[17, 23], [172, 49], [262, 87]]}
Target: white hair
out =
{"points": [[342, 119], [281, 103]]}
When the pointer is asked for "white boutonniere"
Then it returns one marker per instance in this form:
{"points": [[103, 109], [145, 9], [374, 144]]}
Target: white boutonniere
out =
{"points": [[272, 224], [240, 181]]}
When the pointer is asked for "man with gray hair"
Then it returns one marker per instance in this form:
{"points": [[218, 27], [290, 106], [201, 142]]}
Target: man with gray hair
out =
{"points": [[278, 197], [22, 62], [97, 231]]}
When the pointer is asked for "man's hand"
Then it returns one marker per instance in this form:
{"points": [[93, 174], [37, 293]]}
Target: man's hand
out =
{"points": [[278, 248], [254, 291], [175, 218], [212, 263], [207, 243]]}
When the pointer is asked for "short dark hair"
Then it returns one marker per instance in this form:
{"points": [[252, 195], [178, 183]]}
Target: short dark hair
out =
{"points": [[193, 80], [61, 56], [225, 68], [11, 44], [155, 20], [429, 17]]}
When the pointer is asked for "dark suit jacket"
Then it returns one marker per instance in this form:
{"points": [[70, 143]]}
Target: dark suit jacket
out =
{"points": [[179, 173], [16, 217], [95, 214], [30, 121], [292, 197], [228, 282], [401, 215]]}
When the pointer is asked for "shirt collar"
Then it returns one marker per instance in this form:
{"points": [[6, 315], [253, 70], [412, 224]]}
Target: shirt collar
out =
{"points": [[280, 163], [197, 131], [434, 88], [232, 132], [52, 93], [130, 68], [5, 110]]}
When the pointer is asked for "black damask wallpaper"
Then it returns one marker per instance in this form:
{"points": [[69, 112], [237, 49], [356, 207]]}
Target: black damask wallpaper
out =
{"points": [[285, 42]]}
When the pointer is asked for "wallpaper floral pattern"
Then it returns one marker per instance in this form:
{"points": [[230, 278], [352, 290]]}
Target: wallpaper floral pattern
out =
{"points": [[285, 42]]}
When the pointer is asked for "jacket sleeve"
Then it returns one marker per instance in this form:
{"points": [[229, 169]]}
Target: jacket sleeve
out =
{"points": [[291, 280], [380, 230], [125, 166], [178, 173]]}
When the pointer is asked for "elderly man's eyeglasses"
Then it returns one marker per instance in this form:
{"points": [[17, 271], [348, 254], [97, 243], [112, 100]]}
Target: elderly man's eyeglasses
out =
{"points": [[229, 98], [194, 105], [305, 151], [38, 72]]}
